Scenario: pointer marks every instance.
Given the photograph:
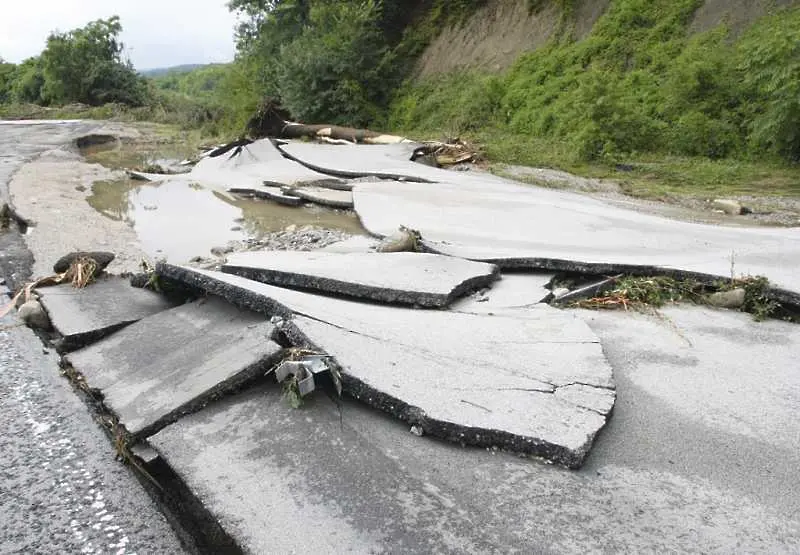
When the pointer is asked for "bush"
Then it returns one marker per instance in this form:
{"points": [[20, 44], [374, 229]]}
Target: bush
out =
{"points": [[769, 64], [335, 72]]}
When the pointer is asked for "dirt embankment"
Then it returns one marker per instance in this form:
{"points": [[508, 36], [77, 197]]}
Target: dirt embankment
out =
{"points": [[497, 34]]}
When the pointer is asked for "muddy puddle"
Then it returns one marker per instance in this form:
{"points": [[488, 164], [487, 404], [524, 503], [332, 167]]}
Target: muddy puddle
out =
{"points": [[117, 155], [179, 220]]}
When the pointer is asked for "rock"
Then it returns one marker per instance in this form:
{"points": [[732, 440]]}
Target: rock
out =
{"points": [[222, 251], [559, 292], [403, 240], [727, 299], [102, 258], [731, 207], [34, 315]]}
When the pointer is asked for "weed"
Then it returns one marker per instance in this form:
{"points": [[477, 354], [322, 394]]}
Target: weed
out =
{"points": [[641, 293], [651, 293], [756, 298], [291, 392]]}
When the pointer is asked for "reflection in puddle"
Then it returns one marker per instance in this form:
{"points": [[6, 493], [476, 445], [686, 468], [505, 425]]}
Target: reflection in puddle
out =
{"points": [[117, 156], [179, 220]]}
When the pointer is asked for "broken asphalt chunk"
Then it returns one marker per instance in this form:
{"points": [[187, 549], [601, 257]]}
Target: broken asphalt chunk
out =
{"points": [[174, 362], [426, 280], [82, 316]]}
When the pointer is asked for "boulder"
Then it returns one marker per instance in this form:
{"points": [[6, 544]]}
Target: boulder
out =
{"points": [[727, 299], [34, 315], [730, 207], [102, 258]]}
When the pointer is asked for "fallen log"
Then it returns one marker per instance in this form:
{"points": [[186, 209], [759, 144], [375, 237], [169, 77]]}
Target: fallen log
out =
{"points": [[270, 120]]}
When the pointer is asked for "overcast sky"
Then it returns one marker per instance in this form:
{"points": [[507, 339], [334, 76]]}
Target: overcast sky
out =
{"points": [[156, 33]]}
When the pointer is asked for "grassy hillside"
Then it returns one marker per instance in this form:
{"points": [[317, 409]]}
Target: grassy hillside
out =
{"points": [[639, 87]]}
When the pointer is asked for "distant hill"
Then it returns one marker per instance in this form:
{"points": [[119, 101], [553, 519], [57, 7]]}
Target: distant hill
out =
{"points": [[159, 71]]}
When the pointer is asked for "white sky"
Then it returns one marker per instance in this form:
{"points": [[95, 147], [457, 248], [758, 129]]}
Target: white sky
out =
{"points": [[156, 33]]}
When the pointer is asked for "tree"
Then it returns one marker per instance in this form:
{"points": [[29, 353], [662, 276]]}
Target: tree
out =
{"points": [[8, 75], [86, 65], [29, 82]]}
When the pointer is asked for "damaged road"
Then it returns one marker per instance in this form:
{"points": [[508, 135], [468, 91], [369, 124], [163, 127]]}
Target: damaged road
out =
{"points": [[667, 420]]}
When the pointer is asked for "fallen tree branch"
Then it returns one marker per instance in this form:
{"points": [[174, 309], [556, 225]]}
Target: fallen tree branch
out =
{"points": [[270, 120]]}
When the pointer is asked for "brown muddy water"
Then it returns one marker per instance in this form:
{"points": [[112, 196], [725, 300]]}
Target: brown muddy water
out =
{"points": [[179, 220]]}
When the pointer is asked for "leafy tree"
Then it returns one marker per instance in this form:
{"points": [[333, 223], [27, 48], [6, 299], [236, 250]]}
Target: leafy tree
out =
{"points": [[86, 65], [335, 71], [29, 82], [8, 74]]}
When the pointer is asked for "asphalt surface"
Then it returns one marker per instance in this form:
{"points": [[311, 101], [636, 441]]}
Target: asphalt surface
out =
{"points": [[61, 489]]}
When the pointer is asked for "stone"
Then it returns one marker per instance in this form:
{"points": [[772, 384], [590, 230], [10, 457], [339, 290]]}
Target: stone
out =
{"points": [[174, 362], [559, 292], [34, 316], [727, 299], [82, 316], [103, 259], [478, 379], [426, 280], [402, 240], [730, 207]]}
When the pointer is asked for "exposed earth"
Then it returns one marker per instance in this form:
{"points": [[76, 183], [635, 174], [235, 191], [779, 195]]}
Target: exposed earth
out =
{"points": [[494, 423]]}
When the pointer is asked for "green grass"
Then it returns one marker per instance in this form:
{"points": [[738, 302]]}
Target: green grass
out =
{"points": [[654, 175], [700, 115]]}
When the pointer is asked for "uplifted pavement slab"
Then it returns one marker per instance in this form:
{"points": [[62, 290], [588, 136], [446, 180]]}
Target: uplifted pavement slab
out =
{"points": [[511, 291], [82, 316], [502, 380], [325, 196], [354, 161], [152, 372], [269, 193], [255, 163], [485, 218], [427, 280]]}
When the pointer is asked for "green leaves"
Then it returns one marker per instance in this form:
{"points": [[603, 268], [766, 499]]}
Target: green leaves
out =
{"points": [[86, 65]]}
